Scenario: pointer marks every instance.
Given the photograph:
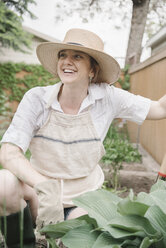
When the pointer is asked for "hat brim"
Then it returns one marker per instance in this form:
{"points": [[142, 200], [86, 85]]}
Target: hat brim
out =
{"points": [[47, 53]]}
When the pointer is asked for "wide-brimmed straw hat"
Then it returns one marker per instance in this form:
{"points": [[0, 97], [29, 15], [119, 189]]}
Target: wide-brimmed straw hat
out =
{"points": [[84, 41]]}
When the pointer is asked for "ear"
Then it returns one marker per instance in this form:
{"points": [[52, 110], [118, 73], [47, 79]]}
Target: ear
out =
{"points": [[91, 73]]}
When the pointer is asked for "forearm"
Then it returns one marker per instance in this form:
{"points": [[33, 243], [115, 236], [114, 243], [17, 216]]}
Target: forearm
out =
{"points": [[163, 165], [13, 160], [157, 109]]}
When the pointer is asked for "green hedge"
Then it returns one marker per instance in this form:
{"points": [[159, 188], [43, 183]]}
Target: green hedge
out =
{"points": [[12, 88]]}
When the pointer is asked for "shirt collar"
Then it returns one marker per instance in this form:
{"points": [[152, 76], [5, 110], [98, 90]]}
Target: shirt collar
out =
{"points": [[51, 91], [96, 92]]}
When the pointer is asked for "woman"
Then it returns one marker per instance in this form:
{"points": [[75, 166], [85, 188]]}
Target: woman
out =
{"points": [[64, 126]]}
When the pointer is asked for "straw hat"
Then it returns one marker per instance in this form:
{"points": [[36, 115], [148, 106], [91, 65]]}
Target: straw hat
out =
{"points": [[84, 41]]}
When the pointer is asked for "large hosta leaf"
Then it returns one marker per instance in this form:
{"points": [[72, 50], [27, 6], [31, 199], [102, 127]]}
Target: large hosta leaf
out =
{"points": [[145, 199], [134, 223], [119, 233], [100, 205], [159, 197], [160, 185], [81, 237], [132, 243], [158, 219], [128, 207], [60, 229], [106, 240], [154, 198]]}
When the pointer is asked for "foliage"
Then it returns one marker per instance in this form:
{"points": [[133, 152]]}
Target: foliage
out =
{"points": [[13, 88], [117, 11], [113, 222], [125, 82], [20, 6], [11, 32], [88, 10], [157, 13], [118, 150]]}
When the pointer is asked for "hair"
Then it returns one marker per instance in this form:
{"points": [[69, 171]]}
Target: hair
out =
{"points": [[95, 67]]}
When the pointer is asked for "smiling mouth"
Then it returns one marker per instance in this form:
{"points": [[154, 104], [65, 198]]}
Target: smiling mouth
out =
{"points": [[68, 71]]}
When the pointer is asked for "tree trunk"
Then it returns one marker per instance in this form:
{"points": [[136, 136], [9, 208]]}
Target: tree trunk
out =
{"points": [[139, 15]]}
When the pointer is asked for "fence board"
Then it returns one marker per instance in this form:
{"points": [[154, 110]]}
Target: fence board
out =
{"points": [[150, 81]]}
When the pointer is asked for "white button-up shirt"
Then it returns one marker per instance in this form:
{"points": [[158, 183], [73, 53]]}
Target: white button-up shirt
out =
{"points": [[105, 103]]}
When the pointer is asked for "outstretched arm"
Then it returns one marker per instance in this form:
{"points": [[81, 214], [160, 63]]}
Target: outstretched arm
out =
{"points": [[157, 109]]}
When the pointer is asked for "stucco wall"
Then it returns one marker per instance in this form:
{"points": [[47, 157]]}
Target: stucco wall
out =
{"points": [[9, 55]]}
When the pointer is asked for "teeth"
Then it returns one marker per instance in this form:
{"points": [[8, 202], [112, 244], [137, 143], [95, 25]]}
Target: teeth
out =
{"points": [[67, 70]]}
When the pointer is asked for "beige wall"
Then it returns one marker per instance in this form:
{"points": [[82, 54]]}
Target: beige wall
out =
{"points": [[9, 55], [149, 79]]}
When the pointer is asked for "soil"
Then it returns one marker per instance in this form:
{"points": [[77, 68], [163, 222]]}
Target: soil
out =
{"points": [[137, 176]]}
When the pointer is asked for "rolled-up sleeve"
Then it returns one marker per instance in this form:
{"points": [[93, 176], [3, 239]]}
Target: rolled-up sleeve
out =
{"points": [[26, 120], [129, 106]]}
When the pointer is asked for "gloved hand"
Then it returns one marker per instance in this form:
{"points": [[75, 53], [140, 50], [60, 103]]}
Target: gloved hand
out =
{"points": [[50, 208]]}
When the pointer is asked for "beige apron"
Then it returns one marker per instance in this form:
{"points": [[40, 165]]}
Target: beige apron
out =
{"points": [[68, 148]]}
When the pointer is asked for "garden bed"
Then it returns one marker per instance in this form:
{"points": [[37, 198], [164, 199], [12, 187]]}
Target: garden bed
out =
{"points": [[138, 176]]}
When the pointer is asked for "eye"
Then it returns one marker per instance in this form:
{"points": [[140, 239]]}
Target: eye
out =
{"points": [[77, 56], [61, 55]]}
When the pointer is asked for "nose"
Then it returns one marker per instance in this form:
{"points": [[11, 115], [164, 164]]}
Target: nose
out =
{"points": [[68, 60]]}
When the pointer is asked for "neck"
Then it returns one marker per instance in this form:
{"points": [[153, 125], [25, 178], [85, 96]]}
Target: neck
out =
{"points": [[71, 97]]}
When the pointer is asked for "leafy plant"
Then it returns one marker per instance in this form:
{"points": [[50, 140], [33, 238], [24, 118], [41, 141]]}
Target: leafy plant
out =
{"points": [[13, 87], [125, 79], [112, 222], [118, 150], [11, 31]]}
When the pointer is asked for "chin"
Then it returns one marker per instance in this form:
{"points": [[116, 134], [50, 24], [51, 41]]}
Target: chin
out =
{"points": [[67, 81]]}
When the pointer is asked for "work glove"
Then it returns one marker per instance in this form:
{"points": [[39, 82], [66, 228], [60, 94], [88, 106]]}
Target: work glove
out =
{"points": [[50, 208]]}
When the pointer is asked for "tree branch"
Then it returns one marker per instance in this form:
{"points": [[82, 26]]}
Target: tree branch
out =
{"points": [[92, 2], [138, 2]]}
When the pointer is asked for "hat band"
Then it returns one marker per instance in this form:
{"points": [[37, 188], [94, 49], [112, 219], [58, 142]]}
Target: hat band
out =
{"points": [[73, 43]]}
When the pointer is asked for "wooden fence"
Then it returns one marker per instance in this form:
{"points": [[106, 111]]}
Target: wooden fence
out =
{"points": [[149, 79]]}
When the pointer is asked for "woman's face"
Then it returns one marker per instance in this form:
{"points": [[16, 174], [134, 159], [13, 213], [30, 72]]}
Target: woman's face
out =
{"points": [[74, 66]]}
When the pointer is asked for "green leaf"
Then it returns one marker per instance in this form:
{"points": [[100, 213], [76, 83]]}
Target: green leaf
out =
{"points": [[52, 243], [154, 198], [132, 243], [118, 233], [146, 242], [158, 196], [100, 205], [145, 198], [105, 240], [158, 219], [128, 207], [60, 229], [82, 237], [88, 220], [134, 223], [159, 185]]}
